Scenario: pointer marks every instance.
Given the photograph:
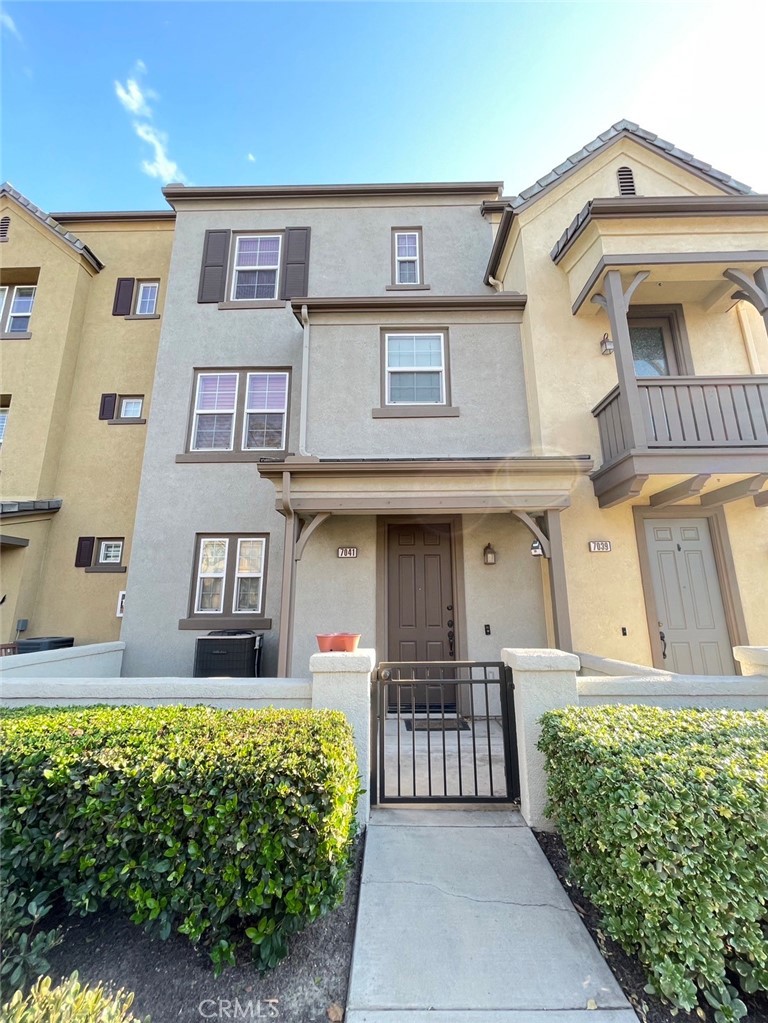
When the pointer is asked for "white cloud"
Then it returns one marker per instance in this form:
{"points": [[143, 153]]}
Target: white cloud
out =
{"points": [[134, 98], [7, 22], [251, 158], [162, 167]]}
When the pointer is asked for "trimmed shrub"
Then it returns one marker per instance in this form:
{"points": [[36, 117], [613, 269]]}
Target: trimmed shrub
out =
{"points": [[23, 945], [216, 823], [69, 1002], [664, 815]]}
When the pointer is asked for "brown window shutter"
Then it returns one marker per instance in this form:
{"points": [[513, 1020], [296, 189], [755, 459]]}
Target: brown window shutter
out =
{"points": [[107, 406], [84, 555], [213, 274], [123, 304], [295, 263]]}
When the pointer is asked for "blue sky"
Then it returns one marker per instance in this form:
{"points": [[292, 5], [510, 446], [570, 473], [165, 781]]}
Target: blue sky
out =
{"points": [[103, 102]]}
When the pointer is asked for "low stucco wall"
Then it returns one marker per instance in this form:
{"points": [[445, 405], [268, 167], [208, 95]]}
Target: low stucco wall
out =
{"points": [[594, 666], [154, 692], [94, 660], [676, 691]]}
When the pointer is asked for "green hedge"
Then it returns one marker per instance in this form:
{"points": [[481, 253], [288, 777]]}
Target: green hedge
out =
{"points": [[664, 815], [69, 1002], [214, 823]]}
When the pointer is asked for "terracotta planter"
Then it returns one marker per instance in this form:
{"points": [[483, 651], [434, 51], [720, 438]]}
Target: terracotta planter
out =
{"points": [[346, 642], [325, 642]]}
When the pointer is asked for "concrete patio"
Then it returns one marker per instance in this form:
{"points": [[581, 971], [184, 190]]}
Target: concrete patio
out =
{"points": [[462, 920]]}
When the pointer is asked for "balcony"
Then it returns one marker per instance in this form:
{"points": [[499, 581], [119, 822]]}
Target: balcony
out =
{"points": [[700, 425]]}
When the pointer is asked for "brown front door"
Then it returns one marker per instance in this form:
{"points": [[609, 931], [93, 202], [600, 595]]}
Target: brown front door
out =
{"points": [[421, 611]]}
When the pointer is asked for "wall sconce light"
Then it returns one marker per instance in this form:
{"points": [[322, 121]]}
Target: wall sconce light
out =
{"points": [[489, 555], [606, 345], [536, 549]]}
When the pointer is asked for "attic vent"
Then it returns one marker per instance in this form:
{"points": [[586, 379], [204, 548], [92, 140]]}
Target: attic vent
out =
{"points": [[626, 181], [5, 224]]}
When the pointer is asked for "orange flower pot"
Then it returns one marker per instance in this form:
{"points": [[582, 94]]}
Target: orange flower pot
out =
{"points": [[346, 642], [325, 641]]}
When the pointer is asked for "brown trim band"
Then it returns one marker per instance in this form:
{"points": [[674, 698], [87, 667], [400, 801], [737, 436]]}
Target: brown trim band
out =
{"points": [[226, 456], [414, 411], [116, 215], [106, 569], [642, 259], [499, 243], [490, 467], [505, 301], [172, 192], [207, 622]]}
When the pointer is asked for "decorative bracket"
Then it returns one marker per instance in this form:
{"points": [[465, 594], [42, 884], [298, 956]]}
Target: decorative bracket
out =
{"points": [[754, 291], [526, 519], [638, 279], [307, 529]]}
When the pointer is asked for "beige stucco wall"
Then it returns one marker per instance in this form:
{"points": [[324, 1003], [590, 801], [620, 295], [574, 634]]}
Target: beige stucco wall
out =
{"points": [[20, 573], [56, 445]]}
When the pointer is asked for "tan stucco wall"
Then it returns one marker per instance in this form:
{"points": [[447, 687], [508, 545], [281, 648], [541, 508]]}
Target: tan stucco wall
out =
{"points": [[56, 445], [20, 573]]}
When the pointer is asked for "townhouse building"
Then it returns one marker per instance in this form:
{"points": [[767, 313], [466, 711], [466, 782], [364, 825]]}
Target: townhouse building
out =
{"points": [[81, 298]]}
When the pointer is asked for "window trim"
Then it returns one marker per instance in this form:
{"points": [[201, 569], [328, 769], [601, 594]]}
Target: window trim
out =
{"points": [[235, 453], [237, 237], [227, 617], [402, 410], [6, 312], [395, 285], [120, 420], [268, 411], [149, 282], [97, 565], [5, 412], [196, 412]]}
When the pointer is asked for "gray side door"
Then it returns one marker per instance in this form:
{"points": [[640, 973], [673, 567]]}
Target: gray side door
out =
{"points": [[689, 605]]}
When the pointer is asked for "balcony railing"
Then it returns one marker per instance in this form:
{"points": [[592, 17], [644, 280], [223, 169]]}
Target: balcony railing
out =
{"points": [[688, 412]]}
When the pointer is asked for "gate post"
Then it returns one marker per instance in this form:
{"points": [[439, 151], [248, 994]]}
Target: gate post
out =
{"points": [[343, 682], [544, 680]]}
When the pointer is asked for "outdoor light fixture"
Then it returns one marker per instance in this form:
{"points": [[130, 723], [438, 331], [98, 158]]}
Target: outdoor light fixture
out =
{"points": [[606, 345], [489, 555], [536, 549]]}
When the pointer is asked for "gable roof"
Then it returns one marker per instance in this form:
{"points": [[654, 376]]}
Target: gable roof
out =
{"points": [[47, 220], [510, 205]]}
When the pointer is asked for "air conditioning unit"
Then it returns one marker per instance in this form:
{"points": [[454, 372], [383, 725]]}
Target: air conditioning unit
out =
{"points": [[228, 654]]}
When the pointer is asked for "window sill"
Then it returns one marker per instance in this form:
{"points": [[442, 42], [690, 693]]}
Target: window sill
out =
{"points": [[230, 456], [137, 316], [126, 422], [208, 623], [408, 287], [414, 411], [266, 303], [106, 568], [18, 335]]}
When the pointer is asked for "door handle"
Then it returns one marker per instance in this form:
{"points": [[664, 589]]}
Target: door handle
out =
{"points": [[663, 639], [450, 623], [451, 647]]}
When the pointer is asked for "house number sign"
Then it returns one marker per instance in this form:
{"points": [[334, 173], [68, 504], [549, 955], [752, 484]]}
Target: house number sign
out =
{"points": [[346, 552], [598, 546]]}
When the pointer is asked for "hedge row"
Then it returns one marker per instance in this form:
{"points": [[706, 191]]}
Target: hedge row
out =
{"points": [[664, 815], [211, 822]]}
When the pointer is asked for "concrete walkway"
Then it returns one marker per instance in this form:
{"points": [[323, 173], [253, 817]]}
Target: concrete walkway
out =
{"points": [[462, 920]]}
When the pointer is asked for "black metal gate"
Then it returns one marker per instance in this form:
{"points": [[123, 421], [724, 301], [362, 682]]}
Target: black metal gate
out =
{"points": [[444, 731]]}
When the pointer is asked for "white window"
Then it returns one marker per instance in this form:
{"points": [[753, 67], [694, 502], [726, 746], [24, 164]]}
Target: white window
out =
{"points": [[3, 297], [21, 309], [5, 405], [249, 573], [257, 260], [266, 405], [215, 404], [211, 572], [146, 298], [415, 369], [110, 552], [407, 257], [130, 408]]}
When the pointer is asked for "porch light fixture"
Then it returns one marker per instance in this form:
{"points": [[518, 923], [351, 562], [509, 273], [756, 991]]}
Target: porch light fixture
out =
{"points": [[536, 549], [606, 345], [489, 555]]}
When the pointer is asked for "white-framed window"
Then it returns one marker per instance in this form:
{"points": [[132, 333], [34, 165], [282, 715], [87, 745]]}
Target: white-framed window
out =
{"points": [[16, 321], [5, 407], [3, 297], [266, 407], [110, 552], [407, 257], [230, 572], [211, 571], [146, 298], [214, 419], [249, 575], [256, 267], [415, 368], [131, 408]]}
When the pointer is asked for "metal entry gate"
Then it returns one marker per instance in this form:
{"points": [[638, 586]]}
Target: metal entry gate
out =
{"points": [[444, 731]]}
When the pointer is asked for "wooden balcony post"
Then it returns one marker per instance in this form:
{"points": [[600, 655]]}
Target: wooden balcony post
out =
{"points": [[615, 301]]}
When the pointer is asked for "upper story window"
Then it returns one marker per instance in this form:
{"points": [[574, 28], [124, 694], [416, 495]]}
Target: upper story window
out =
{"points": [[256, 267], [136, 299], [240, 411], [110, 552], [100, 554], [5, 408], [146, 300], [131, 408], [16, 308], [415, 369], [407, 261]]}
